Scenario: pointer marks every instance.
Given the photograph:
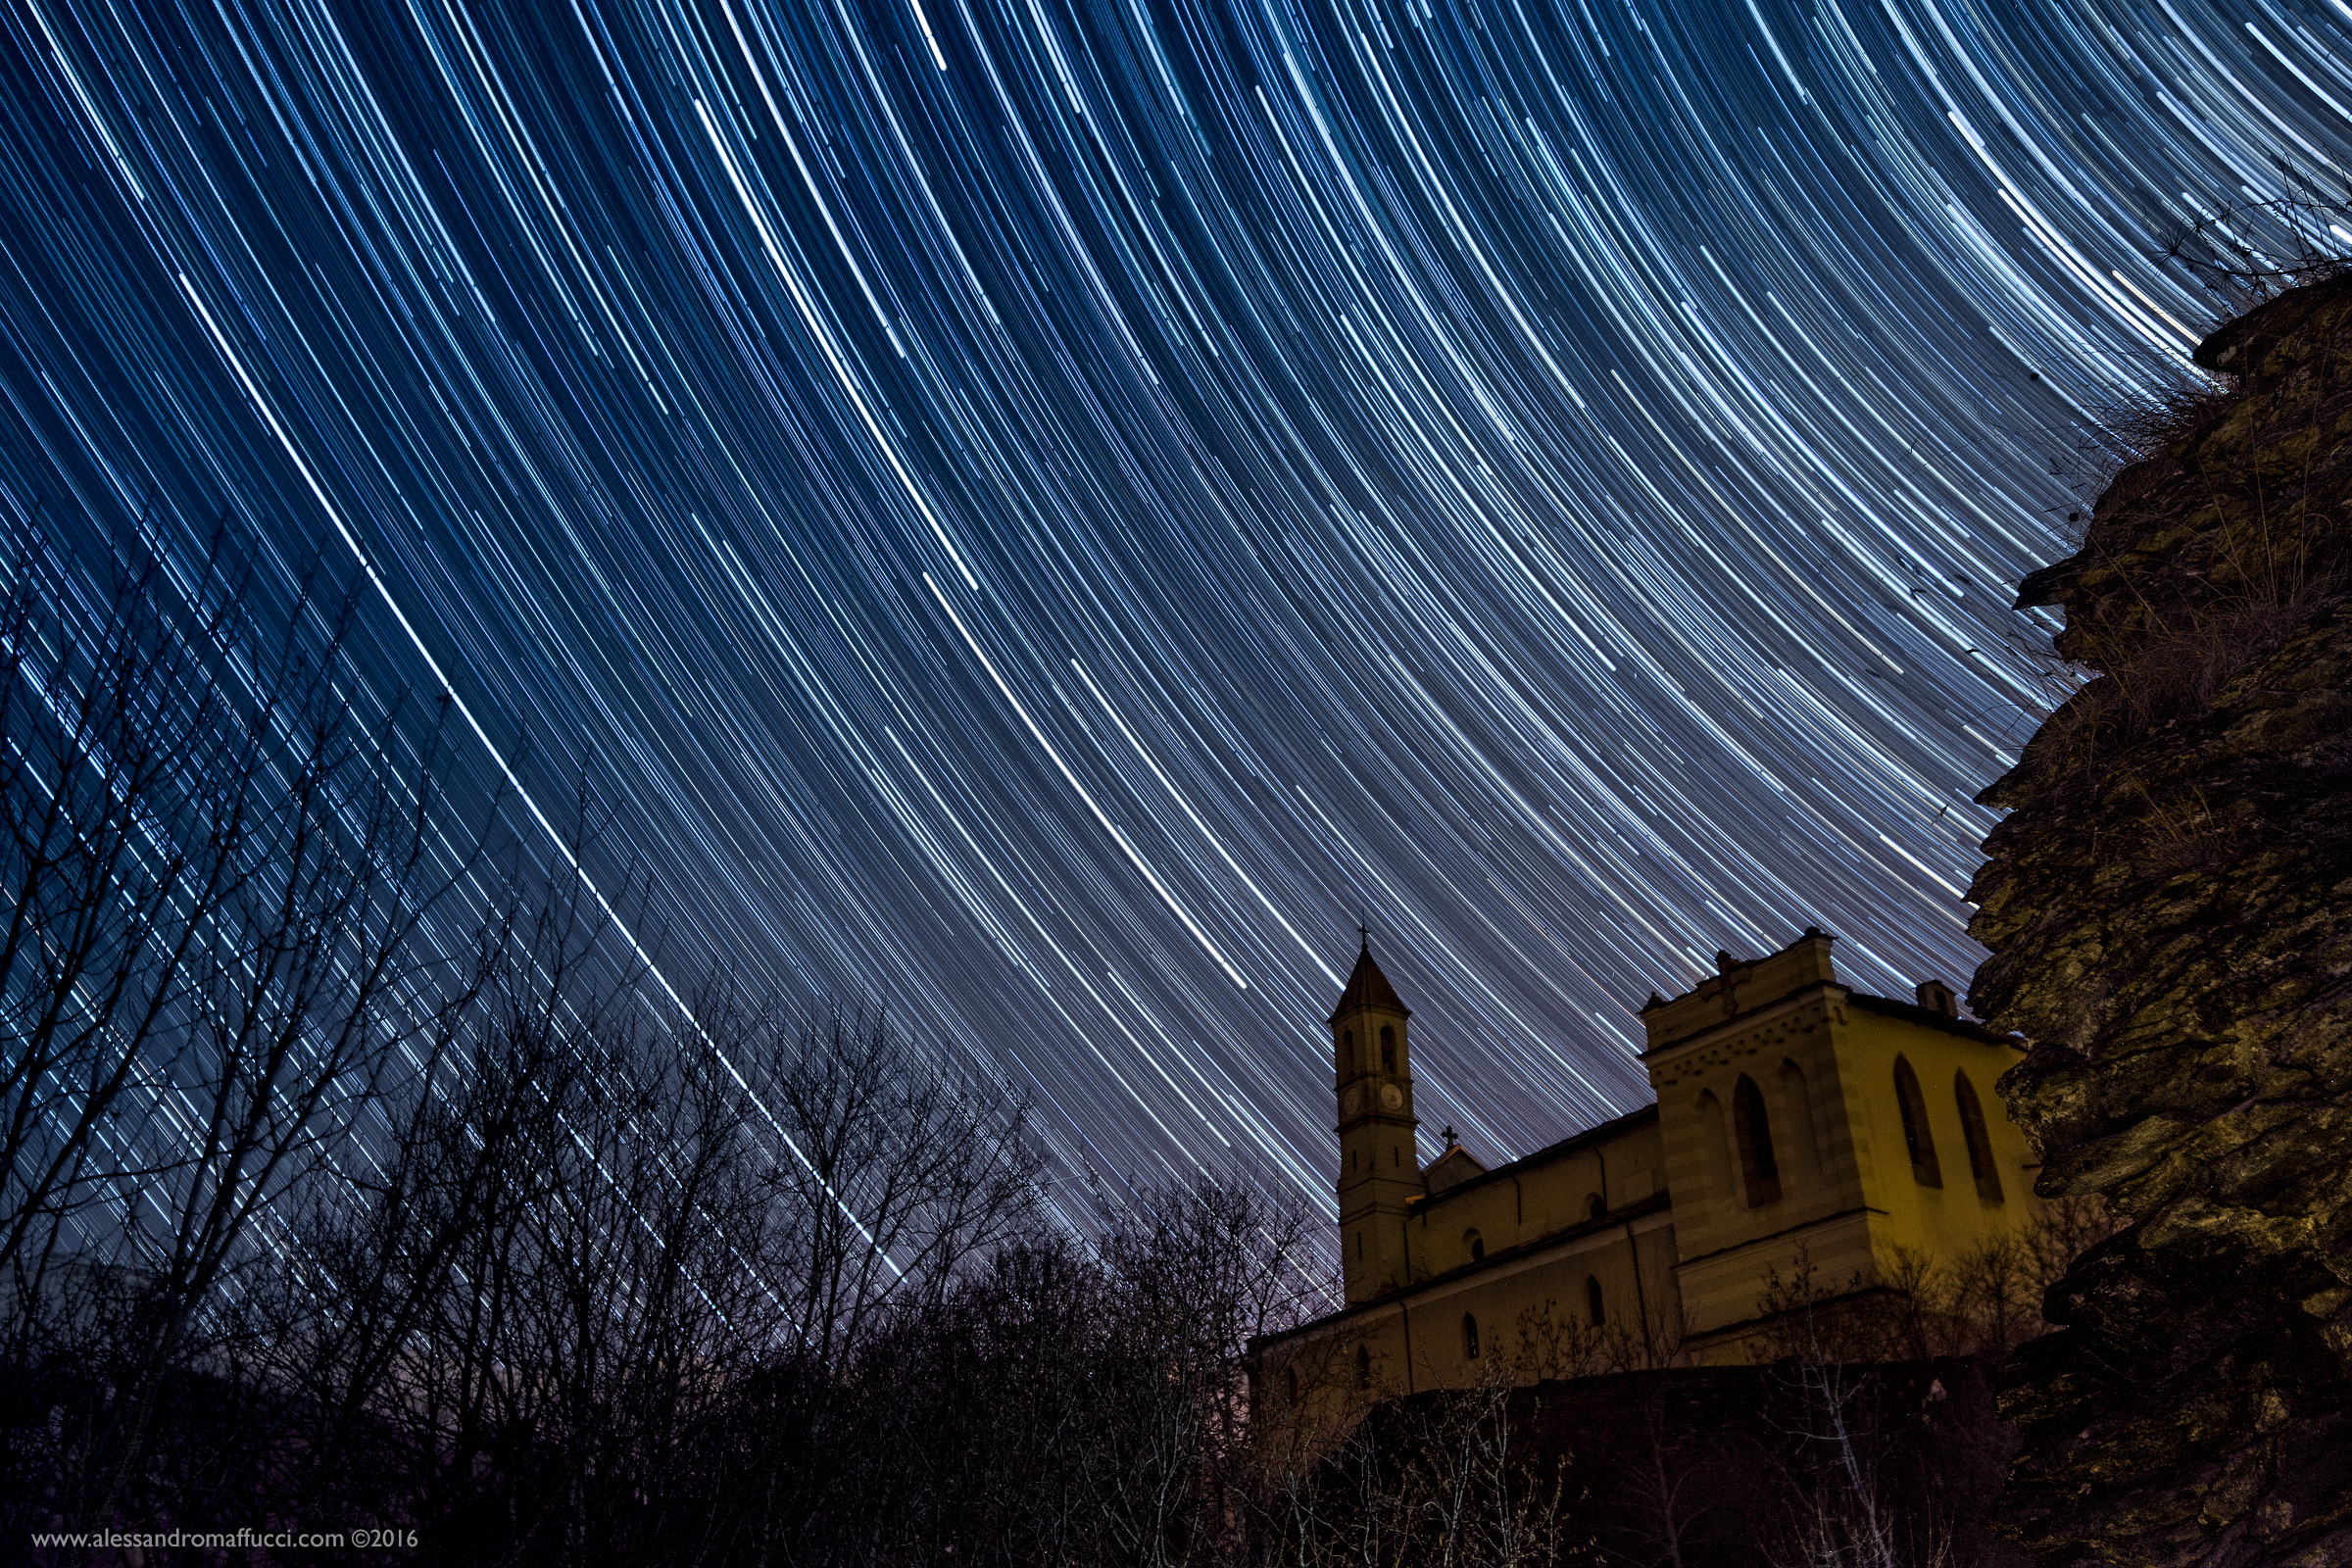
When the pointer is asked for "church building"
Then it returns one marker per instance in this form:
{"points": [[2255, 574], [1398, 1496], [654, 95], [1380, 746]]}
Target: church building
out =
{"points": [[1803, 1132]]}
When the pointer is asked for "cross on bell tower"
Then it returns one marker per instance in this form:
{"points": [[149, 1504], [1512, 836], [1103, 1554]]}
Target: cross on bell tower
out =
{"points": [[1376, 1128]]}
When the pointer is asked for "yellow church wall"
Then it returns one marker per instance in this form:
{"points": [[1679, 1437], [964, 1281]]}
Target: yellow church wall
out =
{"points": [[1529, 1295], [1852, 1215], [1546, 1193], [1724, 1293], [1773, 1022], [1949, 1221], [1820, 1060], [1531, 1313]]}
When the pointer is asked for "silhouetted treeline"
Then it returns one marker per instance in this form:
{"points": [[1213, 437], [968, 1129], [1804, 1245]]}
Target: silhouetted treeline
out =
{"points": [[353, 1186]]}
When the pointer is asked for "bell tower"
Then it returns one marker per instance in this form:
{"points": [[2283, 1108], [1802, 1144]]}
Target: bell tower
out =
{"points": [[1376, 1130]]}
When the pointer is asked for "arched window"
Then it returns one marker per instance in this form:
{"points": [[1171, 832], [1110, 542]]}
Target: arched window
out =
{"points": [[1798, 1136], [1388, 1049], [1917, 1138], [1363, 1367], [1710, 1129], [1475, 1246], [1347, 1062], [1592, 1302], [1359, 1246], [1980, 1141], [1290, 1384], [1469, 1337], [1759, 1172], [1593, 1206]]}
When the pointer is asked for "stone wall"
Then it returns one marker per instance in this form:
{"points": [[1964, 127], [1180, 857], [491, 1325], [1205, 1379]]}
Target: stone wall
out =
{"points": [[1713, 1467]]}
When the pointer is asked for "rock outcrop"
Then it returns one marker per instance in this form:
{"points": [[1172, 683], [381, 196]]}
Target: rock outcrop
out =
{"points": [[2168, 908]]}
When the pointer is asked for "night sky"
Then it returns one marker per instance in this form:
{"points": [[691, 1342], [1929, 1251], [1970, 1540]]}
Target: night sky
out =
{"points": [[1044, 516]]}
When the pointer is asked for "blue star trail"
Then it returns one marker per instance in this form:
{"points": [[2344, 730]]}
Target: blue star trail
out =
{"points": [[1042, 516]]}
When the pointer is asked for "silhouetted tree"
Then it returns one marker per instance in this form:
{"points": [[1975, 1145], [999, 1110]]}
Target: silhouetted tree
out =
{"points": [[218, 876], [1077, 1403]]}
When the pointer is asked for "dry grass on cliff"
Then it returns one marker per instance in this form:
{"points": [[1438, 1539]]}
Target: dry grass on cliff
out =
{"points": [[2141, 428], [2181, 663], [2187, 627]]}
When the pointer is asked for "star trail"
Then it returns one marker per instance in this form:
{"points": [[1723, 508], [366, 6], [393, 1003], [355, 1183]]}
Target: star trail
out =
{"points": [[1042, 516]]}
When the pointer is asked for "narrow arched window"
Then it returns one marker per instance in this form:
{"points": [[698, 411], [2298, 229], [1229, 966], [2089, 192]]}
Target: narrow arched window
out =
{"points": [[1979, 1140], [1469, 1337], [1710, 1126], [1388, 1049], [1363, 1367], [1347, 1062], [1759, 1170], [1359, 1246], [1593, 1206], [1290, 1385], [1918, 1138], [1798, 1136], [1474, 1244], [1592, 1302]]}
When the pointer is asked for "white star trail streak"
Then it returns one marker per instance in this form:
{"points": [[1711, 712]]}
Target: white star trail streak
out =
{"points": [[1042, 514]]}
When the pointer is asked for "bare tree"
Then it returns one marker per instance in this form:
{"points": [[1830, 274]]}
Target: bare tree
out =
{"points": [[1985, 1302], [1076, 1400], [1842, 1518], [2256, 246], [1673, 1483], [311, 1205], [1200, 1270], [893, 1165], [1556, 1343], [1449, 1478], [220, 880]]}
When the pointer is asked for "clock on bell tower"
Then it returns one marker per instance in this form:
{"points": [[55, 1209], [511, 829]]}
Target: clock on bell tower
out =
{"points": [[1379, 1166]]}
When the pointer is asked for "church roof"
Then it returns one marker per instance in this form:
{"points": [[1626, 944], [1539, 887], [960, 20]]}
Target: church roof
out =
{"points": [[1450, 1169], [1367, 987]]}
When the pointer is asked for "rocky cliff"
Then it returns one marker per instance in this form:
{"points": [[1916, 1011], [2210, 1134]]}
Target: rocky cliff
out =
{"points": [[2168, 906]]}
